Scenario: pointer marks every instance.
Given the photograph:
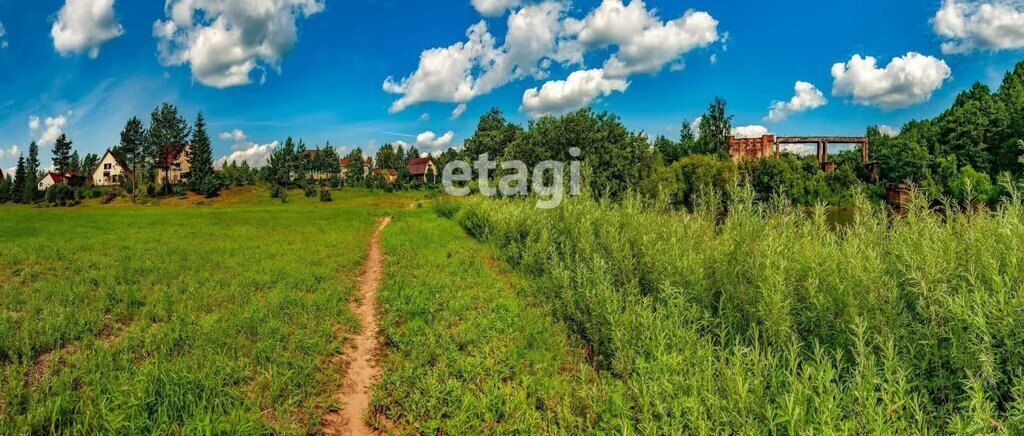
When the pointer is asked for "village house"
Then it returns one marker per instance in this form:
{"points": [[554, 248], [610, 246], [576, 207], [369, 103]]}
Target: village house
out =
{"points": [[49, 180], [175, 169], [311, 155], [422, 169], [367, 164], [390, 175], [111, 171]]}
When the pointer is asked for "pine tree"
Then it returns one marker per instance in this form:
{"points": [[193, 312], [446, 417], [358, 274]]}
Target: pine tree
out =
{"points": [[5, 189], [18, 188], [31, 193], [62, 154], [76, 163], [203, 178], [132, 151], [166, 138], [89, 163]]}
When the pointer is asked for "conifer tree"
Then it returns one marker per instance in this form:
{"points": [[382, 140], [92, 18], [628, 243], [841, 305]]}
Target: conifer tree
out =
{"points": [[203, 179], [76, 163], [132, 151], [166, 138], [18, 188], [62, 154], [5, 189], [30, 192]]}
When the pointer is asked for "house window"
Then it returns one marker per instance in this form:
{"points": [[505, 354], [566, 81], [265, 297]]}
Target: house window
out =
{"points": [[107, 166]]}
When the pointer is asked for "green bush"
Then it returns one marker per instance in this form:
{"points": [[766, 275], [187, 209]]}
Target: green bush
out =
{"points": [[446, 207], [325, 195], [60, 196]]}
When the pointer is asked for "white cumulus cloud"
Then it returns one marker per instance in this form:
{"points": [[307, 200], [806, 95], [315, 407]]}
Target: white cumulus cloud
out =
{"points": [[980, 25], [430, 140], [579, 89], [807, 97], [645, 43], [493, 8], [256, 155], [537, 35], [9, 152], [542, 34], [49, 129], [225, 40], [888, 130], [907, 80], [235, 135], [750, 131], [83, 26]]}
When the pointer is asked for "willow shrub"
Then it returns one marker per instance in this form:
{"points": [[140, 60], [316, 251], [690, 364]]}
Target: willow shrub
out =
{"points": [[773, 319]]}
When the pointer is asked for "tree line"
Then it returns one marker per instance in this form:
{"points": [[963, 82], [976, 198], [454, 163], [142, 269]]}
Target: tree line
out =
{"points": [[968, 153]]}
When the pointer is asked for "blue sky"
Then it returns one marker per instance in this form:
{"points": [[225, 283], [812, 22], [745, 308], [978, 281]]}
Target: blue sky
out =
{"points": [[317, 69]]}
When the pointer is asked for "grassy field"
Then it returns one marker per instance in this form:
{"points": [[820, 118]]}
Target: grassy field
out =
{"points": [[178, 318], [773, 321], [188, 317]]}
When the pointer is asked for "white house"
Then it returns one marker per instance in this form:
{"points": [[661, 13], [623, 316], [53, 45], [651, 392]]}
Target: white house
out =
{"points": [[111, 171], [51, 179]]}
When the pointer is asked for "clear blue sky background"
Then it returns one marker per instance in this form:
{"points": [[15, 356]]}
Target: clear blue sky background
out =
{"points": [[329, 87]]}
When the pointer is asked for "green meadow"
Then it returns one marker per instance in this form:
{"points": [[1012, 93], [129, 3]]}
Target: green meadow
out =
{"points": [[178, 318], [190, 316]]}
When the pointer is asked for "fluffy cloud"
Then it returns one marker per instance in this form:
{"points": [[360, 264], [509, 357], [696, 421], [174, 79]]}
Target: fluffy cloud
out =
{"points": [[3, 33], [645, 43], [51, 127], [905, 81], [542, 34], [807, 97], [888, 130], [750, 131], [9, 152], [976, 25], [234, 135], [465, 70], [580, 89], [430, 140], [83, 26], [225, 40], [256, 155], [493, 8]]}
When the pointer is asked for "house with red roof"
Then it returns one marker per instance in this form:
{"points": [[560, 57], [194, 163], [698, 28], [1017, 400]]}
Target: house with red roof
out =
{"points": [[69, 178], [422, 169], [389, 175]]}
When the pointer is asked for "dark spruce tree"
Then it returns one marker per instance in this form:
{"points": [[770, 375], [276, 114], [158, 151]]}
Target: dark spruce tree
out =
{"points": [[76, 163], [62, 154], [18, 187], [203, 179], [30, 192]]}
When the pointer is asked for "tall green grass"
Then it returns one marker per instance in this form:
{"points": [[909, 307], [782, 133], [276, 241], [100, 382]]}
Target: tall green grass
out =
{"points": [[177, 320], [469, 351], [772, 320]]}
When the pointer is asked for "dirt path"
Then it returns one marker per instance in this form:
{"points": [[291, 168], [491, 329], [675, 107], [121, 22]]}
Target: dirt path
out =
{"points": [[360, 351]]}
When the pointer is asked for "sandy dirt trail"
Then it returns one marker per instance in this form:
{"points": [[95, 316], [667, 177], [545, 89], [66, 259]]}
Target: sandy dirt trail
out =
{"points": [[361, 350]]}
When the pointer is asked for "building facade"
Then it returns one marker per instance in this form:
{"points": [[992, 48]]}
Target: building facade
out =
{"points": [[111, 171]]}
